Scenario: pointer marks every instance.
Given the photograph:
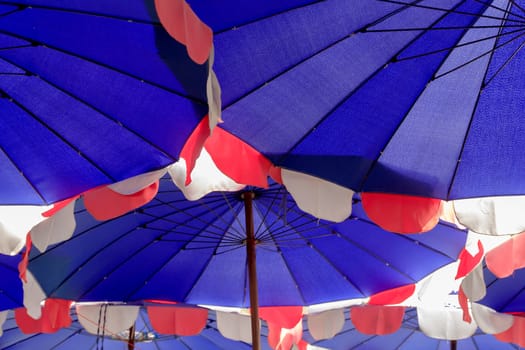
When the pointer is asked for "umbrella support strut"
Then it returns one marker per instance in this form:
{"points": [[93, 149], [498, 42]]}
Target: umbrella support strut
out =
{"points": [[252, 270], [453, 344]]}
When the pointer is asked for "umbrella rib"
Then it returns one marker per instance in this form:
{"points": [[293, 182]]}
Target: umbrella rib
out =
{"points": [[5, 48], [265, 215], [499, 35], [450, 11], [359, 86], [506, 61], [198, 276], [517, 6], [197, 218], [10, 12], [488, 53], [472, 114]]}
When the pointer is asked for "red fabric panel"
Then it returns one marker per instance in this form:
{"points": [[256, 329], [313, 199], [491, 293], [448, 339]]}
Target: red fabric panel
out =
{"points": [[375, 319], [467, 262], [55, 315], [463, 302], [283, 316], [275, 174], [507, 257], [104, 203], [515, 334], [393, 296], [238, 160], [183, 321], [22, 266], [58, 206], [193, 146], [401, 213], [183, 25]]}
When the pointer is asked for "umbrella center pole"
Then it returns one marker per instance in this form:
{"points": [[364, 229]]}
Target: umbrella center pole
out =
{"points": [[131, 338], [251, 242], [453, 344]]}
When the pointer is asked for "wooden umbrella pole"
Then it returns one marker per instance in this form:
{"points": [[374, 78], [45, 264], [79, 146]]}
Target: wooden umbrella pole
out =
{"points": [[453, 345], [131, 338], [252, 269]]}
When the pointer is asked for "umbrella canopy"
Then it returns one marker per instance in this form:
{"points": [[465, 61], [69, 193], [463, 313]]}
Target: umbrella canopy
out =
{"points": [[382, 96], [195, 252], [90, 94]]}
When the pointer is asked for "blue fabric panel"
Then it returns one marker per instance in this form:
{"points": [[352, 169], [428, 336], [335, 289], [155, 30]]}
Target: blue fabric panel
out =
{"points": [[141, 50], [223, 281], [318, 280], [55, 159], [7, 68], [253, 55], [227, 14], [142, 108], [7, 41], [493, 161], [362, 126], [143, 10], [10, 285], [422, 155], [505, 294]]}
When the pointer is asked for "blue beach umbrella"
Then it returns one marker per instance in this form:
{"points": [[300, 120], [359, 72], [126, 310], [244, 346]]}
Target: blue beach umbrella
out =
{"points": [[203, 252], [410, 97]]}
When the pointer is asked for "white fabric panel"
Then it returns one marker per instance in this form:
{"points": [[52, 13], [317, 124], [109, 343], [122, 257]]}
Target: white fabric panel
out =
{"points": [[137, 183], [33, 296], [114, 319], [474, 284], [3, 317], [492, 215], [55, 229], [326, 325], [213, 93], [318, 197], [15, 223], [234, 326], [205, 178], [444, 323], [436, 288], [490, 321]]}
